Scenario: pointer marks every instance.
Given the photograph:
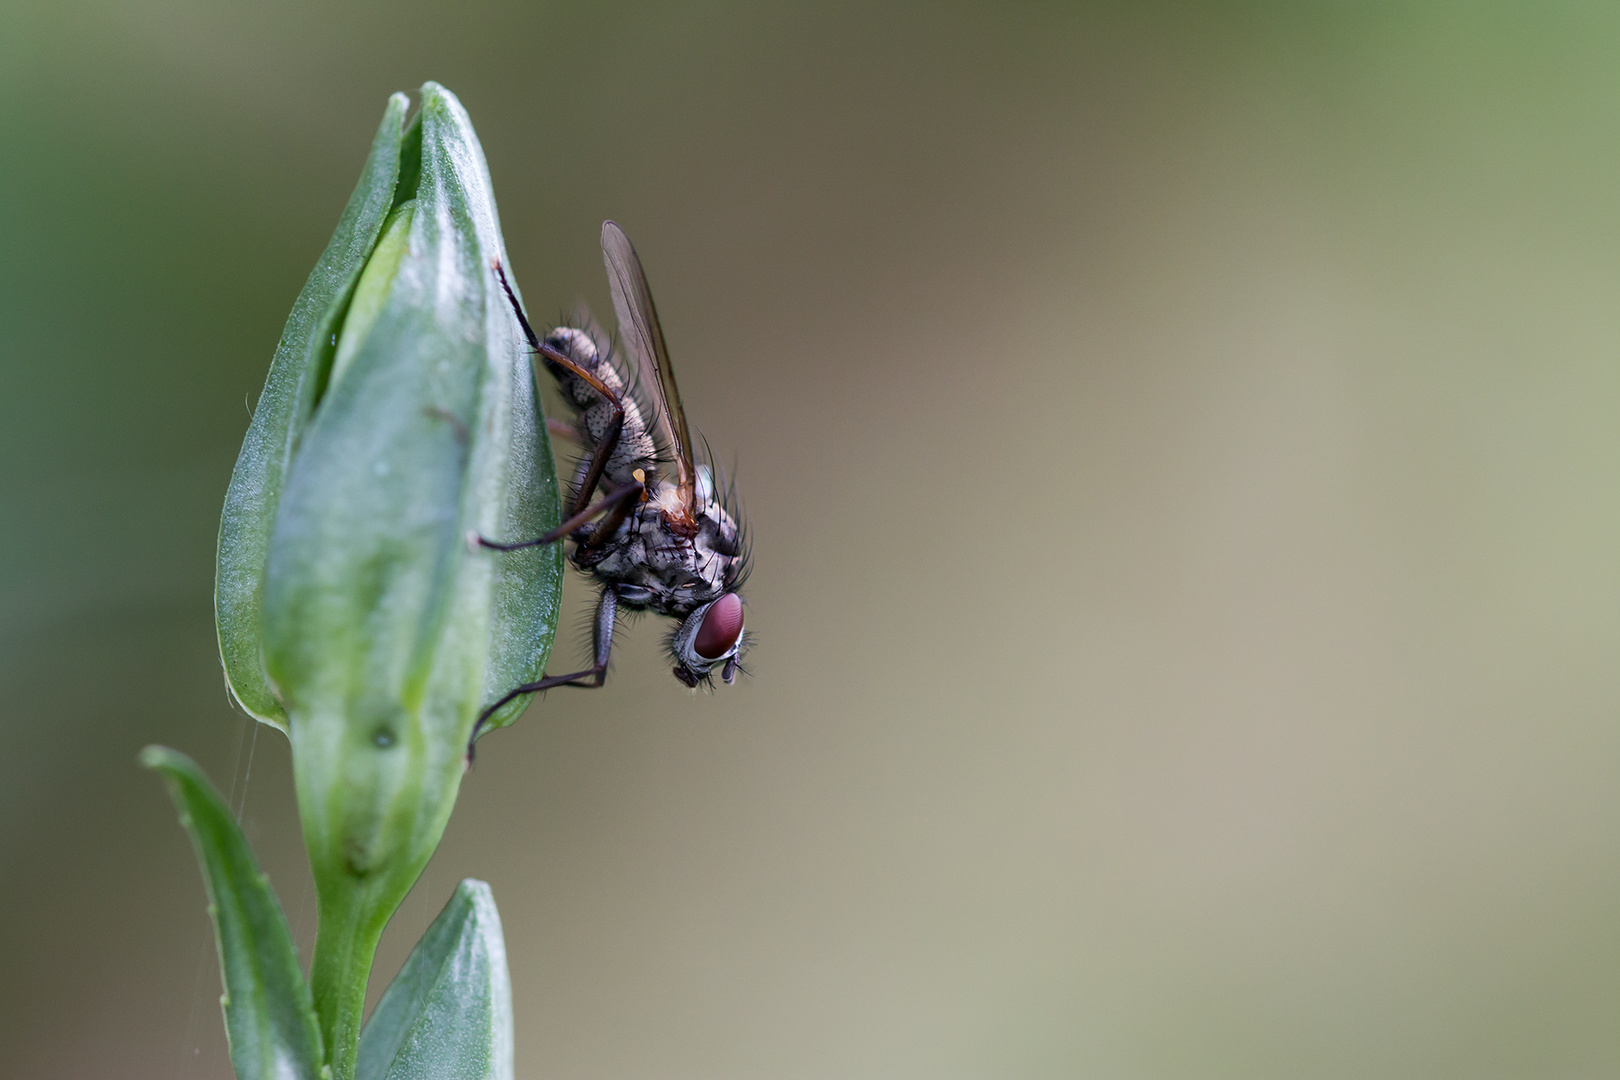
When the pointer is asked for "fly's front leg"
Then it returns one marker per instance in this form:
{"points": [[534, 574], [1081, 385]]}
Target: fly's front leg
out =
{"points": [[607, 610]]}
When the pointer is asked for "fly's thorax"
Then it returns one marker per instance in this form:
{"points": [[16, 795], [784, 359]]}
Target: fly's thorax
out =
{"points": [[719, 538], [652, 566]]}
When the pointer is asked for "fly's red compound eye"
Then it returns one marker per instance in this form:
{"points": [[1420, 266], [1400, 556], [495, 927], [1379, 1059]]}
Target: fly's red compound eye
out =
{"points": [[722, 625]]}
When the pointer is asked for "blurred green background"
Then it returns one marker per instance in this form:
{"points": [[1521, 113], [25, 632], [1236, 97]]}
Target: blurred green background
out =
{"points": [[1181, 445]]}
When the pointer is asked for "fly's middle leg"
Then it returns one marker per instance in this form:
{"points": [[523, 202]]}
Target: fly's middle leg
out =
{"points": [[615, 504]]}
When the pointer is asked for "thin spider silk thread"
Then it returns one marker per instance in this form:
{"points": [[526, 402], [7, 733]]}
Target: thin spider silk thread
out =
{"points": [[191, 1063]]}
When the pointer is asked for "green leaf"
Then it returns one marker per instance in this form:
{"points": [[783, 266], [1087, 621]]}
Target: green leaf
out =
{"points": [[269, 1018], [296, 379], [449, 1011]]}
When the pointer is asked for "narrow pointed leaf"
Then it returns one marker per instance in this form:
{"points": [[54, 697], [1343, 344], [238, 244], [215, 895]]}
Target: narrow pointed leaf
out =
{"points": [[449, 1011], [269, 1018]]}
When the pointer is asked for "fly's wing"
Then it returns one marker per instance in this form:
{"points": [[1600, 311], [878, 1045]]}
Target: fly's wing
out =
{"points": [[641, 334]]}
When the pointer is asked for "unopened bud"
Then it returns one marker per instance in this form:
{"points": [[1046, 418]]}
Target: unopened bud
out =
{"points": [[399, 414]]}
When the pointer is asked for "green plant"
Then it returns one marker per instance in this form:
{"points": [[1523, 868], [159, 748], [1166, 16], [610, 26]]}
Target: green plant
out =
{"points": [[399, 414]]}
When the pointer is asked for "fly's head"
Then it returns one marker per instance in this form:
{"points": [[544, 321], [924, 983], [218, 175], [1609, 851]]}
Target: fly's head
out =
{"points": [[709, 638]]}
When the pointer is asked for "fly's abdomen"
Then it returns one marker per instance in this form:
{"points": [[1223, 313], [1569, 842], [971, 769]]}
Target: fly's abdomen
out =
{"points": [[594, 413]]}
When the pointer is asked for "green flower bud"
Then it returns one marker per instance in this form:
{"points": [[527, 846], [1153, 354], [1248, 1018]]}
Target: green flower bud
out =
{"points": [[399, 415]]}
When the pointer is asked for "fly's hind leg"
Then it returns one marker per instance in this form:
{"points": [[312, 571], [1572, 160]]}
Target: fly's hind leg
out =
{"points": [[616, 503], [607, 610], [603, 453]]}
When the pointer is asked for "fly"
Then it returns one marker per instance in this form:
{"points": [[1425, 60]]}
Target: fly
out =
{"points": [[661, 537]]}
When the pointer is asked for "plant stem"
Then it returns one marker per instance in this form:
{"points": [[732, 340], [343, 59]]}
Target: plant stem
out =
{"points": [[345, 946]]}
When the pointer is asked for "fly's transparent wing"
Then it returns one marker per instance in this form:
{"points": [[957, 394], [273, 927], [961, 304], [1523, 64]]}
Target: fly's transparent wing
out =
{"points": [[641, 334]]}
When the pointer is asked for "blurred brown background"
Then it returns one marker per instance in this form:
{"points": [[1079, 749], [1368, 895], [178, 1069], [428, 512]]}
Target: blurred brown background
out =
{"points": [[1182, 447]]}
